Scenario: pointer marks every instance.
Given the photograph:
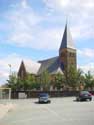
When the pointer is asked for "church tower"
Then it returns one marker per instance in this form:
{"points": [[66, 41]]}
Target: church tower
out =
{"points": [[67, 51]]}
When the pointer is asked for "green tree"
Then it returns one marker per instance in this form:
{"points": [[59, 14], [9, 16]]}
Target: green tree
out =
{"points": [[12, 81], [30, 80], [45, 80], [16, 83], [73, 77], [89, 80], [33, 81], [59, 80]]}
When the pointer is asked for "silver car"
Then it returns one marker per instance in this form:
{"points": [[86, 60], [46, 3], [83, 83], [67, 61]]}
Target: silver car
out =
{"points": [[44, 98]]}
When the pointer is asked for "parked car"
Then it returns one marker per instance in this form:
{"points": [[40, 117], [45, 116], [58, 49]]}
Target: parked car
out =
{"points": [[44, 98], [83, 96]]}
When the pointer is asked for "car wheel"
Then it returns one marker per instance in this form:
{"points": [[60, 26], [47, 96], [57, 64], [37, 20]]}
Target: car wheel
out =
{"points": [[79, 99], [90, 99], [49, 101]]}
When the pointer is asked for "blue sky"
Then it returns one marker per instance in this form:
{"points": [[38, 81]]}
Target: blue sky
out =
{"points": [[32, 30]]}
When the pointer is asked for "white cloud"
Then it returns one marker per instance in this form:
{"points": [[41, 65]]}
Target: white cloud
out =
{"points": [[48, 39], [15, 61], [79, 14], [25, 29], [22, 21], [87, 67], [76, 10], [24, 4], [12, 59], [86, 52], [67, 5]]}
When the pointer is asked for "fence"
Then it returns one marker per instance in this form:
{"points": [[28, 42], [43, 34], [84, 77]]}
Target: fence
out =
{"points": [[34, 94]]}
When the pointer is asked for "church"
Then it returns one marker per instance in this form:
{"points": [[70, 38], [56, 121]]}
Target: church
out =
{"points": [[65, 59]]}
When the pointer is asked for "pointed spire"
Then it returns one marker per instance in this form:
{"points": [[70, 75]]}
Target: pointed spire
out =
{"points": [[67, 41], [22, 71]]}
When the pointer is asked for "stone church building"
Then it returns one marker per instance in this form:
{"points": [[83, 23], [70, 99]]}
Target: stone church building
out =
{"points": [[58, 64]]}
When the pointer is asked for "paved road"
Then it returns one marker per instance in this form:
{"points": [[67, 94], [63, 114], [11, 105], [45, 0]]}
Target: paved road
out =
{"points": [[61, 111]]}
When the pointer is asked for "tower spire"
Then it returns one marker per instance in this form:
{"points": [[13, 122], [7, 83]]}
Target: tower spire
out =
{"points": [[67, 41], [22, 71]]}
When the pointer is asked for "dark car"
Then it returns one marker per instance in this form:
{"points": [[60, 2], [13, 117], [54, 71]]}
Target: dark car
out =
{"points": [[83, 96], [44, 98]]}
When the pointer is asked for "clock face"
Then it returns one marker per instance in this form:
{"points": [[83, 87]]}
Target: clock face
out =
{"points": [[62, 65]]}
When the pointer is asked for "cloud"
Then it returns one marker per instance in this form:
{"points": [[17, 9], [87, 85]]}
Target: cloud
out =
{"points": [[70, 5], [75, 11], [87, 67], [24, 4], [15, 60], [21, 21], [23, 27], [79, 14], [48, 39], [86, 52], [12, 59]]}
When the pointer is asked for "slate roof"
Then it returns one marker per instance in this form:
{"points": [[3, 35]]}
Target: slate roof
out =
{"points": [[51, 65], [31, 67], [67, 41]]}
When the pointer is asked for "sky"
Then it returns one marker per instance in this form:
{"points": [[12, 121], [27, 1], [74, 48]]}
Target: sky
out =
{"points": [[32, 30]]}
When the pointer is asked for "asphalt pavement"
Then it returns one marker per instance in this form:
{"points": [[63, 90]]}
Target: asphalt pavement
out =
{"points": [[61, 111]]}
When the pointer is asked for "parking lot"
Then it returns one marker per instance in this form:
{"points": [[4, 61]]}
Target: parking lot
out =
{"points": [[61, 111]]}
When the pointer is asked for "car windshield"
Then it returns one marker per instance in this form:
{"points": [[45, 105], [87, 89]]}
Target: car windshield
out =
{"points": [[43, 95], [84, 92]]}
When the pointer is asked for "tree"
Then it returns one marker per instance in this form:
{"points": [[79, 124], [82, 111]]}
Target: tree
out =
{"points": [[12, 81], [73, 77], [16, 83], [45, 80], [59, 80], [30, 80], [89, 80]]}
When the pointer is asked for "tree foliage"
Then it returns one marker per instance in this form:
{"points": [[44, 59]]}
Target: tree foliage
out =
{"points": [[73, 77], [59, 80], [45, 80], [17, 83], [12, 81], [89, 80]]}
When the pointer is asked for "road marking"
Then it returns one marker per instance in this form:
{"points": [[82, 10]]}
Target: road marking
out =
{"points": [[53, 112]]}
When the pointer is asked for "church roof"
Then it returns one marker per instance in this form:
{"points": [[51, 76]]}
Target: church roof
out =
{"points": [[31, 66], [67, 41], [51, 65]]}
